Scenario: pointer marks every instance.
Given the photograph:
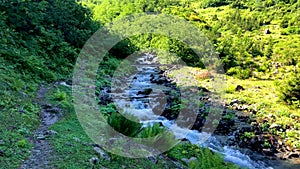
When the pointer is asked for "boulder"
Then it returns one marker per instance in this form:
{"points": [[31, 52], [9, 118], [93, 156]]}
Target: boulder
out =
{"points": [[239, 88]]}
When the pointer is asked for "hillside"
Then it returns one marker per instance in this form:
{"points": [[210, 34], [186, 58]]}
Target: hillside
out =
{"points": [[258, 43]]}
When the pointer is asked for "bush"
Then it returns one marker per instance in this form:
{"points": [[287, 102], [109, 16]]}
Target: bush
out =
{"points": [[213, 3], [239, 72], [290, 88], [123, 125]]}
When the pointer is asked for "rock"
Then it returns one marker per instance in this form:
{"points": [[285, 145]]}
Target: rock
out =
{"points": [[54, 110], [188, 161], [145, 91], [118, 90], [94, 160], [69, 144], [51, 132], [203, 89], [47, 106], [76, 139], [235, 101], [102, 153], [277, 126], [290, 155], [239, 88], [41, 137], [153, 159], [268, 152], [267, 31], [2, 153]]}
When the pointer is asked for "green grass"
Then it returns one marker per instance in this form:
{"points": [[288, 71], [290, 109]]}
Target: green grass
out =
{"points": [[262, 97], [18, 114], [204, 157]]}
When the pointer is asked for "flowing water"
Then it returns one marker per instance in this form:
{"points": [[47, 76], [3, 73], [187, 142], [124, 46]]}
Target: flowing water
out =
{"points": [[139, 97]]}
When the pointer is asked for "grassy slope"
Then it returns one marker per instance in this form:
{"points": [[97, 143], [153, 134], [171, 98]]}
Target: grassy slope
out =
{"points": [[18, 114], [261, 96]]}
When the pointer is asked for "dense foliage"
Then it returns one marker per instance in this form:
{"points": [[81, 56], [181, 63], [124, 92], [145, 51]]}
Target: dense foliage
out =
{"points": [[39, 41], [41, 37]]}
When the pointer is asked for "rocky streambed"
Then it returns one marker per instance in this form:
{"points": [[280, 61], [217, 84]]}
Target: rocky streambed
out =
{"points": [[154, 98]]}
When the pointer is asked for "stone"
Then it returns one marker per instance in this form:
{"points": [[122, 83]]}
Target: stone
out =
{"points": [[145, 91], [239, 88], [47, 106], [76, 139], [2, 153], [51, 132], [267, 31], [41, 137], [102, 153], [277, 126], [54, 110], [153, 159], [203, 89], [235, 101], [268, 152], [94, 160]]}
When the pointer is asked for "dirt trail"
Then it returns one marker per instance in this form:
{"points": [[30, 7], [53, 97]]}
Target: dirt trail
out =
{"points": [[42, 152]]}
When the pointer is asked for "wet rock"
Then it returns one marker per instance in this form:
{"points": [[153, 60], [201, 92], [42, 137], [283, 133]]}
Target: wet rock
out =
{"points": [[118, 90], [145, 91], [239, 88], [94, 160], [102, 153], [105, 98], [268, 152]]}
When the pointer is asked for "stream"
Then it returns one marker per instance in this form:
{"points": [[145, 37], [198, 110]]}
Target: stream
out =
{"points": [[144, 95]]}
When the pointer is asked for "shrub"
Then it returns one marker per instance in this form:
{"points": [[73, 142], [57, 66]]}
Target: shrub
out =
{"points": [[60, 95], [290, 88], [239, 72], [123, 125]]}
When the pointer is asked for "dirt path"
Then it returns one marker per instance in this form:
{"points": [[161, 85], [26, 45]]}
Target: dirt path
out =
{"points": [[42, 151]]}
